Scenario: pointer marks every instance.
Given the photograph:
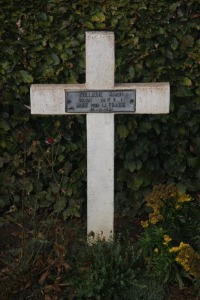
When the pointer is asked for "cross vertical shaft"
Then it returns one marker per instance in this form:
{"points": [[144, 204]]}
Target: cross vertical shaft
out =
{"points": [[100, 94], [100, 137]]}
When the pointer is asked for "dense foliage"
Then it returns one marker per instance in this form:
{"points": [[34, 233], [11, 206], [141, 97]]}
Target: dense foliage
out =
{"points": [[44, 42]]}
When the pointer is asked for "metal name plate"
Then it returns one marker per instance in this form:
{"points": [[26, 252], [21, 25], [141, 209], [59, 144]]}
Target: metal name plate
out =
{"points": [[93, 101]]}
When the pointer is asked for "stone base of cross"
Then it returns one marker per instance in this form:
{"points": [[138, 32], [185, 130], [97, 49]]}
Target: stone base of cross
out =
{"points": [[100, 99]]}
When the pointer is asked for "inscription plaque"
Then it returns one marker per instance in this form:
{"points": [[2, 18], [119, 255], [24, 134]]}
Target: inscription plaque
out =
{"points": [[96, 101]]}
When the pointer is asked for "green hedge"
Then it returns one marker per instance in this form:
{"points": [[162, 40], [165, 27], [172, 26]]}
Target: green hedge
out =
{"points": [[44, 42]]}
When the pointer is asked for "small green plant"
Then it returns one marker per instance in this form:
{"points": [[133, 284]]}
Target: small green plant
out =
{"points": [[108, 271], [114, 270]]}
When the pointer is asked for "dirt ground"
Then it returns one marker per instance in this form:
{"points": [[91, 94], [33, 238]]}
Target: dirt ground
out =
{"points": [[185, 294]]}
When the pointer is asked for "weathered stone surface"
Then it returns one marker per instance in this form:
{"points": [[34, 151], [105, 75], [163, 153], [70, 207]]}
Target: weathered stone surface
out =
{"points": [[150, 98], [100, 62]]}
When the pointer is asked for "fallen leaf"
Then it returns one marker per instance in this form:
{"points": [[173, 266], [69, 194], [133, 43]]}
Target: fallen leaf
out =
{"points": [[27, 285], [66, 266], [60, 250], [47, 297], [43, 277], [48, 288], [51, 288]]}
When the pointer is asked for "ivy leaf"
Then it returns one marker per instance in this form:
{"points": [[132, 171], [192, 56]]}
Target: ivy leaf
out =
{"points": [[122, 130], [187, 81], [55, 59], [193, 161], [61, 158], [27, 78], [5, 126], [60, 205], [29, 188], [130, 165], [139, 165], [43, 16], [89, 25], [95, 18], [187, 41], [73, 147], [198, 91], [137, 183], [174, 44], [101, 16], [2, 145], [131, 72], [23, 89]]}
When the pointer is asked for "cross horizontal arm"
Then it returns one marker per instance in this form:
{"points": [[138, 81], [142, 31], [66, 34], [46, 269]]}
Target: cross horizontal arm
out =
{"points": [[49, 99]]}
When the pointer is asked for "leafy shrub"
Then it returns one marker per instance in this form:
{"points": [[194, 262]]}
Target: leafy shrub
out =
{"points": [[114, 270], [109, 271]]}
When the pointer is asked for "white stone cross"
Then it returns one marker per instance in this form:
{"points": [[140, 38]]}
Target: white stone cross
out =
{"points": [[100, 107]]}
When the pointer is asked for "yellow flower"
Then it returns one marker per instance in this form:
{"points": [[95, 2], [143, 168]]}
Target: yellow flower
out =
{"points": [[167, 239], [144, 224], [177, 206], [173, 249], [155, 218], [183, 245], [156, 205], [187, 258], [156, 250], [180, 247], [183, 198]]}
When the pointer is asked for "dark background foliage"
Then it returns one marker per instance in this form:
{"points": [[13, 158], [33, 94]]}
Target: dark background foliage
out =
{"points": [[44, 42]]}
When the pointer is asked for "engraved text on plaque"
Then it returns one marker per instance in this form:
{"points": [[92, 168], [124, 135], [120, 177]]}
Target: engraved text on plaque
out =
{"points": [[100, 101]]}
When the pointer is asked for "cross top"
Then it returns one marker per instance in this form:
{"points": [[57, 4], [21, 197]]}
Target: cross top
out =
{"points": [[100, 98], [100, 60]]}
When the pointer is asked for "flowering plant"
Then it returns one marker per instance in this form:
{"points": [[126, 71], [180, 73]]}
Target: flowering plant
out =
{"points": [[50, 141], [187, 258], [171, 238], [164, 202]]}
